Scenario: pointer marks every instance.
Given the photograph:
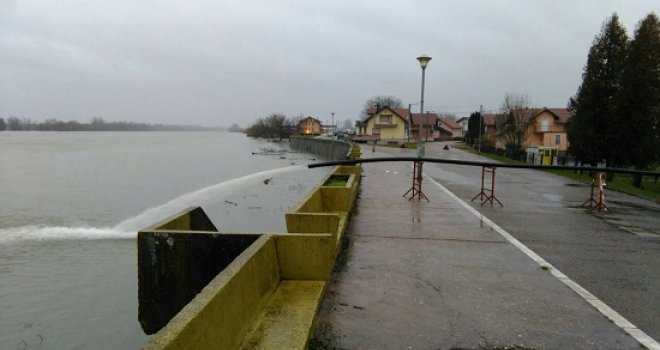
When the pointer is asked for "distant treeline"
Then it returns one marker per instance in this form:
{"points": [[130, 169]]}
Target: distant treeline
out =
{"points": [[96, 124]]}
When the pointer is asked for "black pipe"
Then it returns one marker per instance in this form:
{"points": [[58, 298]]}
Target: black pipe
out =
{"points": [[487, 164]]}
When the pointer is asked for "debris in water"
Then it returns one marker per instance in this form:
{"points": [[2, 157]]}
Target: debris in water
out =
{"points": [[233, 203], [269, 152]]}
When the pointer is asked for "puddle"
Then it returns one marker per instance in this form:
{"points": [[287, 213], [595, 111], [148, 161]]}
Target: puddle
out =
{"points": [[637, 206]]}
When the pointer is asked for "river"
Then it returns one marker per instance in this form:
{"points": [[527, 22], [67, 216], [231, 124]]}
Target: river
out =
{"points": [[71, 204]]}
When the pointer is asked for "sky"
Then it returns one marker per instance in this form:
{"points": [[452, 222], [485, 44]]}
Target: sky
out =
{"points": [[218, 62]]}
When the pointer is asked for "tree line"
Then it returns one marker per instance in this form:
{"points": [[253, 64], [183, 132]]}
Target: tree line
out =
{"points": [[95, 124], [616, 110], [274, 126], [279, 126]]}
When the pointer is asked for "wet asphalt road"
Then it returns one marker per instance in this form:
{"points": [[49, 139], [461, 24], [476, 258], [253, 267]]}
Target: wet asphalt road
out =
{"points": [[615, 254], [419, 275]]}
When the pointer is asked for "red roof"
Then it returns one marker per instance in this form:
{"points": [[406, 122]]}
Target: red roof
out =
{"points": [[446, 129], [489, 119], [450, 123], [312, 118], [401, 112], [561, 114], [424, 119]]}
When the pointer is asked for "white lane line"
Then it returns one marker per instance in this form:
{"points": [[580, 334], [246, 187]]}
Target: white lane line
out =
{"points": [[603, 308]]}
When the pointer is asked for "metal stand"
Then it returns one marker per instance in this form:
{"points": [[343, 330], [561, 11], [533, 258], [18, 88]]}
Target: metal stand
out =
{"points": [[416, 188], [487, 195], [600, 203], [591, 202]]}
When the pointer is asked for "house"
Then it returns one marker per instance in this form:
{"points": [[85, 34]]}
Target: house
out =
{"points": [[427, 122], [310, 126], [546, 131], [384, 124], [490, 131], [448, 130], [463, 122], [547, 127], [546, 137]]}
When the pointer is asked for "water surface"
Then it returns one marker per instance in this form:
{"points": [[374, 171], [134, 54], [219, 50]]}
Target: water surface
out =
{"points": [[72, 203]]}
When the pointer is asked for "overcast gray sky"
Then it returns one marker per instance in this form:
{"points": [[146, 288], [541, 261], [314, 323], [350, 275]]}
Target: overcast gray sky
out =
{"points": [[218, 62]]}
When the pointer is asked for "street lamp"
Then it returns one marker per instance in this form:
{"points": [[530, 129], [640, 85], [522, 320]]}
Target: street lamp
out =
{"points": [[416, 188], [423, 62]]}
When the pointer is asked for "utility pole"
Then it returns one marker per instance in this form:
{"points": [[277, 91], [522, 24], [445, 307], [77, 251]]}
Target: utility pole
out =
{"points": [[409, 121], [334, 126], [481, 121]]}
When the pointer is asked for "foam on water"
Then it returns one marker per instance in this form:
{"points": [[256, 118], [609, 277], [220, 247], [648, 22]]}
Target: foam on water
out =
{"points": [[129, 227], [153, 215], [39, 233]]}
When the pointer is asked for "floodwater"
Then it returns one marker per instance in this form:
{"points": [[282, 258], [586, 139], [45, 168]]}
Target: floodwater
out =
{"points": [[71, 204]]}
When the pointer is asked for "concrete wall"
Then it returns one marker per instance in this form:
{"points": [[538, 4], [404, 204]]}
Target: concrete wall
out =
{"points": [[231, 291], [329, 149]]}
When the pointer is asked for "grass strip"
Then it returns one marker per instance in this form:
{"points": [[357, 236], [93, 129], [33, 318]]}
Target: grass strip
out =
{"points": [[621, 182]]}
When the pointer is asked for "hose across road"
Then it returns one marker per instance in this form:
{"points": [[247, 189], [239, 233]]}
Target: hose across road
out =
{"points": [[485, 164]]}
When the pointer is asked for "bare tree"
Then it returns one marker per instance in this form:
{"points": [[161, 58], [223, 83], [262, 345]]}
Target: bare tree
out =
{"points": [[276, 126], [447, 115], [347, 124], [380, 100], [511, 124]]}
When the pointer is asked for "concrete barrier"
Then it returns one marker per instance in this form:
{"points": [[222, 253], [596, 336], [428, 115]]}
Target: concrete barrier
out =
{"points": [[326, 209], [203, 289], [326, 148], [267, 297]]}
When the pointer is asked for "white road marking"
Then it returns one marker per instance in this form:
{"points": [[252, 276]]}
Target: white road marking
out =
{"points": [[603, 308]]}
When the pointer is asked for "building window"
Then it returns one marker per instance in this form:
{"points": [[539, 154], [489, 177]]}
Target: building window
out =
{"points": [[557, 140], [386, 119], [545, 125], [375, 130]]}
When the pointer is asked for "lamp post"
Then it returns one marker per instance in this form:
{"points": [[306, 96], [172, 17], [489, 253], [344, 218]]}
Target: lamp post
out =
{"points": [[334, 126], [416, 188], [481, 121], [423, 62]]}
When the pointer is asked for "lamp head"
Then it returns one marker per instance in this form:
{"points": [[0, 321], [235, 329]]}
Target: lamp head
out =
{"points": [[423, 61]]}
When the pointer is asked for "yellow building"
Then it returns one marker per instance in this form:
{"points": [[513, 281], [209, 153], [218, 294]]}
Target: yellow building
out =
{"points": [[310, 126], [386, 124]]}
